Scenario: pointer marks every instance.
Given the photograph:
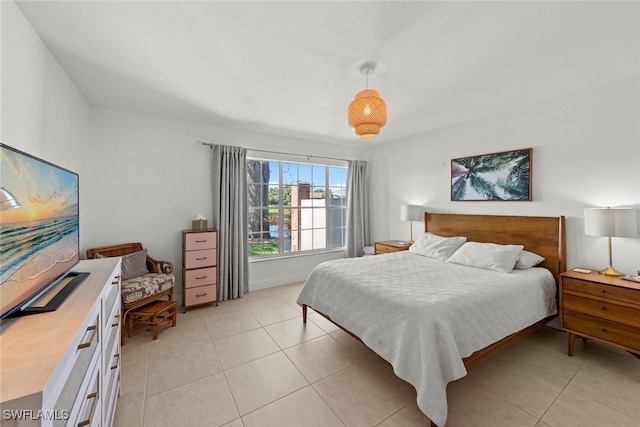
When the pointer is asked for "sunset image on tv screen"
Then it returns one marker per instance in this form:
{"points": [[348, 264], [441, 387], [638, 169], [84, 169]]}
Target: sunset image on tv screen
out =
{"points": [[38, 225]]}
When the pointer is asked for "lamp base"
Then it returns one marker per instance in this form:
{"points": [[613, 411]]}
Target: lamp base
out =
{"points": [[610, 271]]}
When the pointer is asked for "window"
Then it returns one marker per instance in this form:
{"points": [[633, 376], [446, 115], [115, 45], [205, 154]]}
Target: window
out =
{"points": [[295, 207]]}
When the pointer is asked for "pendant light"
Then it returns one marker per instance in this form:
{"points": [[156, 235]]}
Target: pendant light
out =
{"points": [[367, 112]]}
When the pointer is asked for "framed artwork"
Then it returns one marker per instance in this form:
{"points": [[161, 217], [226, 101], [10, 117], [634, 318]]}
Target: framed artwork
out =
{"points": [[496, 176]]}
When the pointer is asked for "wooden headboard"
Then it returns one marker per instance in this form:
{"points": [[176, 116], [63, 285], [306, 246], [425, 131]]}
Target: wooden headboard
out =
{"points": [[544, 236]]}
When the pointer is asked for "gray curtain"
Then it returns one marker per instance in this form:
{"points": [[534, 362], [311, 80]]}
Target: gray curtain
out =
{"points": [[357, 207], [230, 218]]}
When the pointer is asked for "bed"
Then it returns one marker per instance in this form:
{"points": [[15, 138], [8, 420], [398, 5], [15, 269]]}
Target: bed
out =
{"points": [[434, 320]]}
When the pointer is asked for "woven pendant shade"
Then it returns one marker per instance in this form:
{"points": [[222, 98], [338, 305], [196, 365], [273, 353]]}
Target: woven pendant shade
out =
{"points": [[367, 113]]}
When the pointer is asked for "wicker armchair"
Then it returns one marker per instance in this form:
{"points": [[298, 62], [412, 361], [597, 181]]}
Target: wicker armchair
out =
{"points": [[142, 290]]}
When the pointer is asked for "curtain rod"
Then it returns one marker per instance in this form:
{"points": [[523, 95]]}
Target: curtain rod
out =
{"points": [[308, 156]]}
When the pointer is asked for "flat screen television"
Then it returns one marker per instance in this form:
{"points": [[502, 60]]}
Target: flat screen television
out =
{"points": [[39, 233]]}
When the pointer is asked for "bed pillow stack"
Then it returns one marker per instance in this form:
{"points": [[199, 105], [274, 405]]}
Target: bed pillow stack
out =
{"points": [[487, 256], [438, 247]]}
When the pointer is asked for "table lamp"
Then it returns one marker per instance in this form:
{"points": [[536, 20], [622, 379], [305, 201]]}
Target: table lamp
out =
{"points": [[610, 222], [411, 213]]}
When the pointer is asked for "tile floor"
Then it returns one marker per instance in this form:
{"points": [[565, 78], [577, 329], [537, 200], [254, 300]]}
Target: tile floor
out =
{"points": [[250, 362]]}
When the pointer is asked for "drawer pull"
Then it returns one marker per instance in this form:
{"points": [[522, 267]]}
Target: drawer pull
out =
{"points": [[201, 295], [94, 332], [201, 277], [94, 396], [201, 259], [604, 329], [116, 280], [117, 357], [603, 291], [604, 308], [202, 241]]}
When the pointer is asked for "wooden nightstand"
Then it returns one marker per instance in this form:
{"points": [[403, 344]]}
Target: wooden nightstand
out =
{"points": [[602, 308], [388, 246]]}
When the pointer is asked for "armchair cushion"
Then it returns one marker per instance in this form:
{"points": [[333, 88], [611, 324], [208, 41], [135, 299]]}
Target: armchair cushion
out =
{"points": [[149, 284], [134, 265]]}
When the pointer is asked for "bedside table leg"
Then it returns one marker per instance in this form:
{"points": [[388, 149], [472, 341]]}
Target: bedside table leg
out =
{"points": [[572, 343]]}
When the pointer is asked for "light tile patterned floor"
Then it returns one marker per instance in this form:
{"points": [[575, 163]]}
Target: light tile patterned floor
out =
{"points": [[251, 362]]}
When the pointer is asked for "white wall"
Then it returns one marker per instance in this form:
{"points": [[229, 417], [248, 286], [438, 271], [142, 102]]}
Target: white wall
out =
{"points": [[149, 179], [43, 112], [586, 149], [143, 178]]}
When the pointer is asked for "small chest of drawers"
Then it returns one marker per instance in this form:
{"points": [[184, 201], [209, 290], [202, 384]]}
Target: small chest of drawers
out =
{"points": [[199, 267], [602, 308], [388, 246]]}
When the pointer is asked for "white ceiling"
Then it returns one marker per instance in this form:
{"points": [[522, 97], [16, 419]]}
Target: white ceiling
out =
{"points": [[291, 68]]}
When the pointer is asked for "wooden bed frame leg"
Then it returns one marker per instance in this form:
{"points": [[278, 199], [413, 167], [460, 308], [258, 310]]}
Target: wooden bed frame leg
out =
{"points": [[433, 424], [572, 343], [304, 313]]}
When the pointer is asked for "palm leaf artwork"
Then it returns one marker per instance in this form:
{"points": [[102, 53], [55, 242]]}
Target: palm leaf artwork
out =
{"points": [[458, 188], [516, 184], [498, 176]]}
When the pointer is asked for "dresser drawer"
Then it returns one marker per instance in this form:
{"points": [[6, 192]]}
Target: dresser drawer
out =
{"points": [[90, 413], [197, 241], [86, 353], [605, 330], [200, 277], [602, 309], [198, 259], [111, 370], [113, 296], [200, 295], [601, 290], [111, 330]]}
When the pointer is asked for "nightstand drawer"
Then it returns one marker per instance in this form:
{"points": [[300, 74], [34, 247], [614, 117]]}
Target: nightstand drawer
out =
{"points": [[602, 309], [601, 290], [388, 246], [605, 330], [384, 249]]}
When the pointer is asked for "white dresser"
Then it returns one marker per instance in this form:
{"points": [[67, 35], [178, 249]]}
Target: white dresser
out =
{"points": [[63, 368]]}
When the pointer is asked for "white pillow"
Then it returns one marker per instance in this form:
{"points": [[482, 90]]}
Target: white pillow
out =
{"points": [[488, 256], [438, 247], [527, 260]]}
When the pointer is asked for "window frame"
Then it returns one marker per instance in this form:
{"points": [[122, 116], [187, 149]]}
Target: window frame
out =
{"points": [[282, 207]]}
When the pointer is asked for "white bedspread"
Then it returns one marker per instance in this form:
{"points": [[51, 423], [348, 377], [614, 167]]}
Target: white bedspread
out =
{"points": [[423, 315]]}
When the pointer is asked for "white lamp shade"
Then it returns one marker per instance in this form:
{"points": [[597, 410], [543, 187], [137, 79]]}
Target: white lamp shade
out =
{"points": [[610, 222], [411, 213]]}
